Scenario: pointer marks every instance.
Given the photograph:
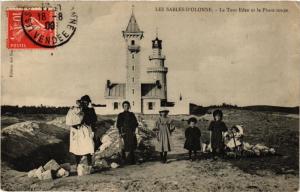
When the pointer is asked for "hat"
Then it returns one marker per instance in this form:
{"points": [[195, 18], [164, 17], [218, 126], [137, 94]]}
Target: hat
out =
{"points": [[86, 98], [164, 110]]}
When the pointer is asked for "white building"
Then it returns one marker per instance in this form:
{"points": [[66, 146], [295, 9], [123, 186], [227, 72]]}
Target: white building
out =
{"points": [[145, 98]]}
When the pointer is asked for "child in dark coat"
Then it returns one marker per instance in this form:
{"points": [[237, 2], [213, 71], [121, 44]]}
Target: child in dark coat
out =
{"points": [[216, 128], [192, 135]]}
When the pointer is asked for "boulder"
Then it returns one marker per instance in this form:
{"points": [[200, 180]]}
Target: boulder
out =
{"points": [[101, 164], [83, 169], [62, 173], [110, 144], [106, 142], [32, 173], [114, 165], [272, 151], [22, 143], [59, 122], [47, 175], [257, 152], [66, 166], [39, 171], [52, 165]]}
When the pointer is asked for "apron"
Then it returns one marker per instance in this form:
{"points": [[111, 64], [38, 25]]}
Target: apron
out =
{"points": [[81, 140]]}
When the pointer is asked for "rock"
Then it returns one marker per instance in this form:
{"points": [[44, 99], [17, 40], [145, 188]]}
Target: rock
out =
{"points": [[272, 151], [101, 164], [106, 142], [47, 175], [59, 122], [21, 129], [32, 173], [110, 144], [51, 165], [66, 166], [62, 173], [114, 165], [257, 152], [83, 169], [22, 143], [39, 171], [231, 154]]}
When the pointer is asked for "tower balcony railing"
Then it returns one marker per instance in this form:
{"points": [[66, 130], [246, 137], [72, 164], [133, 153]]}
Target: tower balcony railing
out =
{"points": [[162, 57], [134, 47], [157, 69]]}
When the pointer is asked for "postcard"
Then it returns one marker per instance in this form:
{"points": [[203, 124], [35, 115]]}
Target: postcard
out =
{"points": [[150, 95]]}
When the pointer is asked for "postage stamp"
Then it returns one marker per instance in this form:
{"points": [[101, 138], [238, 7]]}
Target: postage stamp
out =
{"points": [[31, 28]]}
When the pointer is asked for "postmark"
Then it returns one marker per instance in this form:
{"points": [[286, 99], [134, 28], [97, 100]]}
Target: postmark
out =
{"points": [[41, 27]]}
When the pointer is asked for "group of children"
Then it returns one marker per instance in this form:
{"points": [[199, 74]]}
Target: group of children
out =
{"points": [[164, 127]]}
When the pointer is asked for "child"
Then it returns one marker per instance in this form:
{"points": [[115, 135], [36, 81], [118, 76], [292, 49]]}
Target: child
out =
{"points": [[216, 128], [163, 128], [81, 119], [192, 135]]}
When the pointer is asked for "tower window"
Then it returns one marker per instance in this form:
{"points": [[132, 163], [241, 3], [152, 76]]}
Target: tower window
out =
{"points": [[132, 103], [116, 105], [132, 67], [132, 91], [132, 79], [132, 42], [150, 105], [132, 55]]}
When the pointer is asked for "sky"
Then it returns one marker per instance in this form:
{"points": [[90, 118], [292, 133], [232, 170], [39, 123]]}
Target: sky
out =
{"points": [[237, 58]]}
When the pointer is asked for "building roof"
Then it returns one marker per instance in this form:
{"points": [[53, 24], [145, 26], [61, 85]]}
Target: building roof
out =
{"points": [[132, 26], [156, 43], [116, 90], [150, 90]]}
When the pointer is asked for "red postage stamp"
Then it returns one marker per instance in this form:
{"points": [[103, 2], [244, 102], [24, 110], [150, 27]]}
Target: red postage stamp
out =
{"points": [[37, 23]]}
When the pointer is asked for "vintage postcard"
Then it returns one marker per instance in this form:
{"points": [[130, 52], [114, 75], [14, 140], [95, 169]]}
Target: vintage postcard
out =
{"points": [[150, 96]]}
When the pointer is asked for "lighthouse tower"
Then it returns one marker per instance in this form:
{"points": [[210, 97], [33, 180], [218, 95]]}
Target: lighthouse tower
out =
{"points": [[157, 70], [132, 36]]}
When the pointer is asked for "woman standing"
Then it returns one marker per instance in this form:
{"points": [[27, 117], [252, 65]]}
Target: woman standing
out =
{"points": [[127, 124], [163, 128], [82, 119]]}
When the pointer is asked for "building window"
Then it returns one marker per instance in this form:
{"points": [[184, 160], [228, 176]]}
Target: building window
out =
{"points": [[132, 79], [116, 105], [132, 91], [150, 105], [132, 55], [132, 67], [132, 103], [132, 42]]}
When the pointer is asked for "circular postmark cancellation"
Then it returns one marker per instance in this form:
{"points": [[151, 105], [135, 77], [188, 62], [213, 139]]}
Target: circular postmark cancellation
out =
{"points": [[50, 26]]}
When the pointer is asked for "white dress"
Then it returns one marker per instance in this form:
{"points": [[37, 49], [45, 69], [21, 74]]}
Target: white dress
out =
{"points": [[81, 139]]}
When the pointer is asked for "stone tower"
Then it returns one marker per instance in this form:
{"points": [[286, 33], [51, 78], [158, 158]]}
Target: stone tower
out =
{"points": [[132, 36], [158, 71]]}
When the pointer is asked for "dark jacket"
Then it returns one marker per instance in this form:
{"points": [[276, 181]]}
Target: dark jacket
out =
{"points": [[192, 141], [127, 124], [89, 116], [216, 128]]}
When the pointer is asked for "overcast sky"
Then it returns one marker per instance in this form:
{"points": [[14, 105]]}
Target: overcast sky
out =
{"points": [[237, 58]]}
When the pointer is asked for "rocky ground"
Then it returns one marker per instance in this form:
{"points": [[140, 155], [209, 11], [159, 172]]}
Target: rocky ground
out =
{"points": [[272, 173]]}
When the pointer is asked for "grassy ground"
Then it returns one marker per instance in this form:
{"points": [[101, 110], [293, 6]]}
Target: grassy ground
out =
{"points": [[273, 173]]}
